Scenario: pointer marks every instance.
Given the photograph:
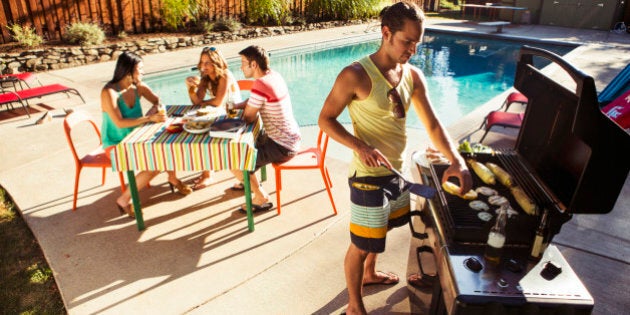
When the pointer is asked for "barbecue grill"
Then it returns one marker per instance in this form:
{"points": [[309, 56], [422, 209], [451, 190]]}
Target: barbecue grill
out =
{"points": [[569, 158]]}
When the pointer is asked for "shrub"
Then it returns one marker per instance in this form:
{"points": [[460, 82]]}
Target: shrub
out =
{"points": [[25, 35], [84, 34], [224, 25], [267, 12], [343, 9], [178, 13]]}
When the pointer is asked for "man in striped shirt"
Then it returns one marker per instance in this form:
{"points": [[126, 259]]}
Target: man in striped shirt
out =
{"points": [[279, 141]]}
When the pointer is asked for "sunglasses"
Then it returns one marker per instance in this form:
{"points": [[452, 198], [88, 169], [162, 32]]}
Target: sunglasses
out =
{"points": [[398, 110], [206, 49]]}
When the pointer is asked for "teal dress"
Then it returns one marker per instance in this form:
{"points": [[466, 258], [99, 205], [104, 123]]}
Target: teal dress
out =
{"points": [[111, 134]]}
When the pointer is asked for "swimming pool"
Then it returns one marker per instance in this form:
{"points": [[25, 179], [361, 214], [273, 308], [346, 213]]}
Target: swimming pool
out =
{"points": [[463, 72]]}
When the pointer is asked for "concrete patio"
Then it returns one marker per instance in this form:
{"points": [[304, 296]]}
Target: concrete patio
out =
{"points": [[197, 256]]}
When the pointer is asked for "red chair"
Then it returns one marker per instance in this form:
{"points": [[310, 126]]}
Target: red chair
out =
{"points": [[11, 97], [514, 97], [502, 119], [96, 158], [26, 78], [23, 96], [310, 158]]}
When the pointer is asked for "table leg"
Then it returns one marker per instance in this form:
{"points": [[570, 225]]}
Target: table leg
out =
{"points": [[135, 198], [248, 201]]}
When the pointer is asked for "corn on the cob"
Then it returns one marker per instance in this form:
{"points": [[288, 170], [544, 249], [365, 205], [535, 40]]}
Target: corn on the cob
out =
{"points": [[503, 176], [454, 190], [524, 201], [483, 172]]}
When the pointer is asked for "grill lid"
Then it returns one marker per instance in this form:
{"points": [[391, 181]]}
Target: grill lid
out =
{"points": [[580, 155]]}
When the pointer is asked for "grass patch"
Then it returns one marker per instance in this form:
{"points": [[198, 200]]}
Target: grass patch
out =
{"points": [[27, 285]]}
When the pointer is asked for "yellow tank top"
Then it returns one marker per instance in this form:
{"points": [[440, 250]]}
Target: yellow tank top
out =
{"points": [[374, 123]]}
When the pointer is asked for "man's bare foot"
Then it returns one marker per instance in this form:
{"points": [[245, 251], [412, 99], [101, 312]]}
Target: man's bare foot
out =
{"points": [[380, 277]]}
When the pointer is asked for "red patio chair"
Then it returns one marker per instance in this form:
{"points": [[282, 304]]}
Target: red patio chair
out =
{"points": [[502, 119], [514, 97], [310, 158], [96, 158], [10, 97], [26, 78], [24, 95]]}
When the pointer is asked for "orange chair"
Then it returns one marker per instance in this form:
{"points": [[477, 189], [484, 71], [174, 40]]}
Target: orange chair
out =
{"points": [[311, 158], [96, 158], [245, 85], [514, 97]]}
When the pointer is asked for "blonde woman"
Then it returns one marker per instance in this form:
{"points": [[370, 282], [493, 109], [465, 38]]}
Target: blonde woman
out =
{"points": [[215, 85]]}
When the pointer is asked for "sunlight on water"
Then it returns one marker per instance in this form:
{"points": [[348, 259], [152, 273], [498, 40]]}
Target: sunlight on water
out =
{"points": [[462, 72]]}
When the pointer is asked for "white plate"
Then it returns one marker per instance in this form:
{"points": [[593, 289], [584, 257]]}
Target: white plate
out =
{"points": [[213, 112], [195, 130]]}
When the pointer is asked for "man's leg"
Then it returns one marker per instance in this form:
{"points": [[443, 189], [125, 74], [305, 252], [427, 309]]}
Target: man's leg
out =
{"points": [[353, 267], [260, 196], [371, 276]]}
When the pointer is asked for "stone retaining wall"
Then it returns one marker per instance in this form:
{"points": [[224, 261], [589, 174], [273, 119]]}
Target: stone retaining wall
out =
{"points": [[54, 58]]}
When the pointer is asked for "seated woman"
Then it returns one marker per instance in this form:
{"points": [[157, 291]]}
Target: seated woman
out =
{"points": [[220, 85], [120, 103]]}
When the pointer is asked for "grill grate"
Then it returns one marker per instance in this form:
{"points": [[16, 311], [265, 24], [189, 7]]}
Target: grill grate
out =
{"points": [[463, 225]]}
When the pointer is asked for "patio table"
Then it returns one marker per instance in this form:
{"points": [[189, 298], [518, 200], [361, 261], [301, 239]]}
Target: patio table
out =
{"points": [[151, 148]]}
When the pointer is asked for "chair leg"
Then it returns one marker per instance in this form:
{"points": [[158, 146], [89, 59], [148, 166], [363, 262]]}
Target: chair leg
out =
{"points": [[326, 179], [122, 181], [263, 174], [484, 135], [103, 177], [278, 188], [76, 187]]}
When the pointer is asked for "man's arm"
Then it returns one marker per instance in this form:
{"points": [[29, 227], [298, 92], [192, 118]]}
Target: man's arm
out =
{"points": [[350, 84], [437, 133]]}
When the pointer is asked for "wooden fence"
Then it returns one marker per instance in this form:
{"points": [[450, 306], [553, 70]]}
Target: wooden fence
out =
{"points": [[50, 17]]}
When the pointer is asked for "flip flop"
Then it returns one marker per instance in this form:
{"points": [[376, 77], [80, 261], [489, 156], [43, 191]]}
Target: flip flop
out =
{"points": [[128, 209], [389, 279], [238, 187], [256, 208], [202, 183]]}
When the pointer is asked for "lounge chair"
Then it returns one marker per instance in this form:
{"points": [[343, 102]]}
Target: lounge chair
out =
{"points": [[10, 97], [36, 92], [24, 78]]}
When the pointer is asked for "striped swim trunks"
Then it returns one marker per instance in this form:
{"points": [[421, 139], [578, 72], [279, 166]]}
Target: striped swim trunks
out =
{"points": [[377, 204]]}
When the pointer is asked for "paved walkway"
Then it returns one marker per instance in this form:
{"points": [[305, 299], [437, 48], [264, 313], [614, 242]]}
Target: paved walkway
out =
{"points": [[196, 256]]}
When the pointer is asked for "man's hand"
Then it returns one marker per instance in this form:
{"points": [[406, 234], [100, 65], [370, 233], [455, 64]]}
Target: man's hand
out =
{"points": [[372, 157], [461, 172]]}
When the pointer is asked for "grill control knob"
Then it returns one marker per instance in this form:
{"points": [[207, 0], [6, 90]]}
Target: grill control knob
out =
{"points": [[513, 266], [502, 283], [473, 264]]}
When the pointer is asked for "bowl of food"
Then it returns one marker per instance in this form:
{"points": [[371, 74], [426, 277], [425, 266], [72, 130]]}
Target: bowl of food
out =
{"points": [[175, 128]]}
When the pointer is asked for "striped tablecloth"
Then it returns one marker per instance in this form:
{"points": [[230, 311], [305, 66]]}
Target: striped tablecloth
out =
{"points": [[151, 147]]}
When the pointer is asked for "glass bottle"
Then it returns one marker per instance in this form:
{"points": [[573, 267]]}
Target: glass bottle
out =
{"points": [[229, 104], [496, 237], [537, 246]]}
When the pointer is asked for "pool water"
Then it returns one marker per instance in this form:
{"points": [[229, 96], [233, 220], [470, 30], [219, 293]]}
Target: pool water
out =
{"points": [[463, 73]]}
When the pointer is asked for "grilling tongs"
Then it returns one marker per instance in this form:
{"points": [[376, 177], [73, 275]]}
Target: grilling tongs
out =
{"points": [[417, 189]]}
